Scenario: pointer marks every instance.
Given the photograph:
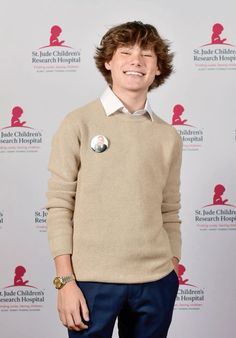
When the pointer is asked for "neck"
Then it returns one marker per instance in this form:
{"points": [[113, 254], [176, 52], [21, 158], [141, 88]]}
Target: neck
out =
{"points": [[132, 100]]}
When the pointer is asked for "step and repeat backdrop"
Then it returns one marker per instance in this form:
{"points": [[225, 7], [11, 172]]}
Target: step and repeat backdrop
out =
{"points": [[47, 70]]}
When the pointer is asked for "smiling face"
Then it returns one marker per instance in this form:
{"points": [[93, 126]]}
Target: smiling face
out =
{"points": [[132, 69]]}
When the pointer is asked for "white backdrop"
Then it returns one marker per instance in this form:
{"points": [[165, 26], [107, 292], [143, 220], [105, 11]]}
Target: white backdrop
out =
{"points": [[46, 83]]}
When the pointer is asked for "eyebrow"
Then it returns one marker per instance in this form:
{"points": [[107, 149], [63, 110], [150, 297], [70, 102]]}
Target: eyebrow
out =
{"points": [[132, 47]]}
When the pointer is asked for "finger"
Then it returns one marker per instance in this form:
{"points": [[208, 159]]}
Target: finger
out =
{"points": [[78, 321], [84, 310], [62, 318], [70, 323]]}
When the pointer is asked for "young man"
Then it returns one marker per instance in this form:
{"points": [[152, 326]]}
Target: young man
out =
{"points": [[113, 197]]}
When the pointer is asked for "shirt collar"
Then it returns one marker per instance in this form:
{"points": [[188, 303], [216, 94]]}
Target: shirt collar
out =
{"points": [[111, 104]]}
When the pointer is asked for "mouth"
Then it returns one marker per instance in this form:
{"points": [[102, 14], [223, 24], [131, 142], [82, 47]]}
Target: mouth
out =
{"points": [[132, 72]]}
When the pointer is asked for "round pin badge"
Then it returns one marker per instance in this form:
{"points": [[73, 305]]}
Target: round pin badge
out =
{"points": [[99, 143]]}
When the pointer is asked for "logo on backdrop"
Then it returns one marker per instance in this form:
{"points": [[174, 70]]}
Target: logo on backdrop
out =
{"points": [[54, 38], [182, 279], [216, 38], [218, 53], [191, 135], [218, 215], [21, 295], [19, 278], [190, 296], [16, 118], [57, 55], [16, 136], [40, 219]]}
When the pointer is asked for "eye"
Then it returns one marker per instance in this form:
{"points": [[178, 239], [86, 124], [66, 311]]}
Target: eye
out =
{"points": [[147, 55], [125, 52]]}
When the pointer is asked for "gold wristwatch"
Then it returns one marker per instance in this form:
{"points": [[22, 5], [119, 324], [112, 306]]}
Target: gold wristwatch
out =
{"points": [[59, 282]]}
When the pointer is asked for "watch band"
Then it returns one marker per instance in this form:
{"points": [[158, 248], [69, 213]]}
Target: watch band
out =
{"points": [[66, 279]]}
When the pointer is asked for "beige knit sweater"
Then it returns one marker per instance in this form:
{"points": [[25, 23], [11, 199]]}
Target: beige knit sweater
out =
{"points": [[116, 211]]}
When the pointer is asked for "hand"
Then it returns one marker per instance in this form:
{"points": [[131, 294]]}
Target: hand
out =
{"points": [[175, 262], [71, 305]]}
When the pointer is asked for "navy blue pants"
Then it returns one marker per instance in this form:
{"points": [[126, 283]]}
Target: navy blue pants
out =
{"points": [[144, 310]]}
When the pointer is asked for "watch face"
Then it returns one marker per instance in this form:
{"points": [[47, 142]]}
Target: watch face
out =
{"points": [[57, 283]]}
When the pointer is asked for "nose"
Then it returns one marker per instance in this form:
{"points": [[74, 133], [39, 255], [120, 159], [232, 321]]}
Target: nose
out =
{"points": [[136, 59]]}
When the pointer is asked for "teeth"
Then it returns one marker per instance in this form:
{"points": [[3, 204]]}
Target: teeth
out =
{"points": [[133, 73]]}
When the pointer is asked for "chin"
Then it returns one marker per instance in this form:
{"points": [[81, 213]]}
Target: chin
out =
{"points": [[136, 88]]}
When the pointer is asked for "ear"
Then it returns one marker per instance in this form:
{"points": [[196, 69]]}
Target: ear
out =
{"points": [[158, 72], [107, 65]]}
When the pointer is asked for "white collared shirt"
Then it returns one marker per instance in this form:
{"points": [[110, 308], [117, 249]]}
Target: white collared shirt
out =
{"points": [[111, 103]]}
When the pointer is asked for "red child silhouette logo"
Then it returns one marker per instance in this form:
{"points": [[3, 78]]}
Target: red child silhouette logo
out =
{"points": [[177, 112], [16, 114], [176, 117], [218, 192], [216, 38], [55, 32], [54, 40], [18, 278], [181, 271], [217, 29]]}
